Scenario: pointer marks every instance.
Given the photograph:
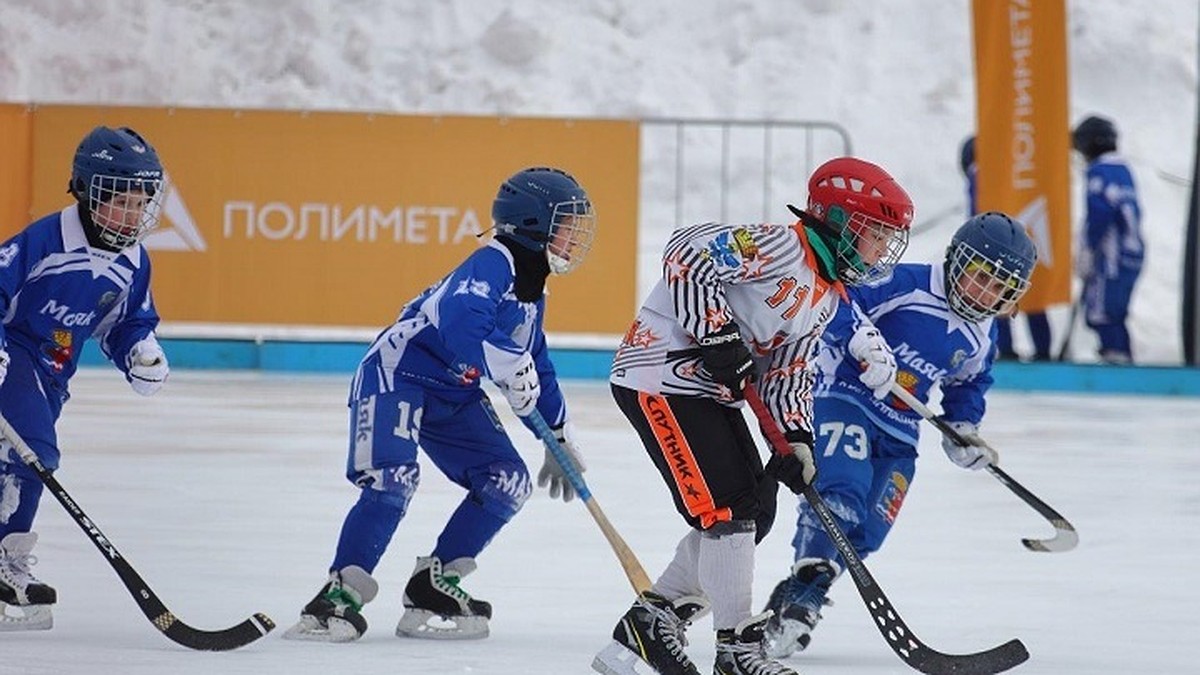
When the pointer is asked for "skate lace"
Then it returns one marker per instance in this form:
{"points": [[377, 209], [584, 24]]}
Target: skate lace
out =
{"points": [[752, 659], [448, 584], [667, 627], [343, 598], [15, 568]]}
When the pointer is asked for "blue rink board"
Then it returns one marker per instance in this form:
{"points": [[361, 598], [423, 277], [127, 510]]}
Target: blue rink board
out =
{"points": [[343, 357]]}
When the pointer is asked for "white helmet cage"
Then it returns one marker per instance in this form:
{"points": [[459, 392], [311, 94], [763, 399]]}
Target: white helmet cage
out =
{"points": [[124, 210], [572, 231]]}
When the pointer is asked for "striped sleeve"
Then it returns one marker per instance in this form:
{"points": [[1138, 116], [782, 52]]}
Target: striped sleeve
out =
{"points": [[700, 260]]}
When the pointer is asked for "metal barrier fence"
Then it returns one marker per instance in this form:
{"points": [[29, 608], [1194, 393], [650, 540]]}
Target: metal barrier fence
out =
{"points": [[739, 162]]}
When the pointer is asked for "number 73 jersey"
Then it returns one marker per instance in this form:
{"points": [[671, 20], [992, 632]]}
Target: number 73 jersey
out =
{"points": [[765, 278]]}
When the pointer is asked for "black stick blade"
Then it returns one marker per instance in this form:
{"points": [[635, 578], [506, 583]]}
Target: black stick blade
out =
{"points": [[214, 640], [995, 660], [924, 658]]}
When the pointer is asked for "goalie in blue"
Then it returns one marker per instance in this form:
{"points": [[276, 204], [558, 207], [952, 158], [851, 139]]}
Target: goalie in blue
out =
{"points": [[939, 322], [74, 274], [419, 384]]}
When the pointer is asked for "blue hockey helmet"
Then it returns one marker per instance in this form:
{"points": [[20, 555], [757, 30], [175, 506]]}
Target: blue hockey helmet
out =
{"points": [[966, 155], [546, 209], [1094, 136], [118, 177], [988, 265]]}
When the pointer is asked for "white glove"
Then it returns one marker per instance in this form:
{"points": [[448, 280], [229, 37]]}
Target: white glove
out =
{"points": [[552, 473], [3, 364], [875, 356], [148, 367], [974, 456], [522, 388]]}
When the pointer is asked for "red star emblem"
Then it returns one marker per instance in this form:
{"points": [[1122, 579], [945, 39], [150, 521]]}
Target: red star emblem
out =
{"points": [[715, 318], [675, 268], [643, 338]]}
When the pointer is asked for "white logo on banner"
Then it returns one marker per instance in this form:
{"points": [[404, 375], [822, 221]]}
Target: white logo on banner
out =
{"points": [[176, 231]]}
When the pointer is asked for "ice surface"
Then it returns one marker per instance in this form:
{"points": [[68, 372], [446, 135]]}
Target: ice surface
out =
{"points": [[226, 493]]}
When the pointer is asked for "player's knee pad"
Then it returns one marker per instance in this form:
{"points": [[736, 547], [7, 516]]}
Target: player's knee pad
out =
{"points": [[503, 488], [392, 486]]}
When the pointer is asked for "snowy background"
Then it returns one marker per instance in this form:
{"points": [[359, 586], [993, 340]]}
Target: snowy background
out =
{"points": [[897, 75]]}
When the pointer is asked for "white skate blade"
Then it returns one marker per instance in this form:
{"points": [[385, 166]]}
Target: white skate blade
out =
{"points": [[424, 624], [308, 629], [27, 617], [787, 640], [616, 659]]}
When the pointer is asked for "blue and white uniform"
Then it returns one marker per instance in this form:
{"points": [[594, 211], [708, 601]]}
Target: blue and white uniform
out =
{"points": [[419, 383], [866, 448], [56, 291], [1112, 251]]}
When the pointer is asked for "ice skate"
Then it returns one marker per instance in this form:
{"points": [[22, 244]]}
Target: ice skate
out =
{"points": [[334, 615], [436, 608], [741, 650], [28, 598], [651, 636], [795, 605]]}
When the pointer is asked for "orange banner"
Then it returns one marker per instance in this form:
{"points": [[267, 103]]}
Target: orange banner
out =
{"points": [[16, 146], [337, 219], [1023, 144]]}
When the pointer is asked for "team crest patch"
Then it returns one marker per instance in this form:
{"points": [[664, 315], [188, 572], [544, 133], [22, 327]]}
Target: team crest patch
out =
{"points": [[728, 249], [744, 242], [59, 353], [907, 381], [892, 497]]}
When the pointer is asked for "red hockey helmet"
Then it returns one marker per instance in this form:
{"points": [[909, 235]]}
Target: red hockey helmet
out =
{"points": [[870, 211]]}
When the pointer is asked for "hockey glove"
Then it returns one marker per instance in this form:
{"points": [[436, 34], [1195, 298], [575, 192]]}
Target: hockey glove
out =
{"points": [[147, 366], [727, 359], [3, 364], [522, 387], [974, 456], [552, 473], [796, 470], [875, 357]]}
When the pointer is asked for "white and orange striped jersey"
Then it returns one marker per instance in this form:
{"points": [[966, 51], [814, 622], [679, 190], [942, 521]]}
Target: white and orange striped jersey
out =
{"points": [[765, 278]]}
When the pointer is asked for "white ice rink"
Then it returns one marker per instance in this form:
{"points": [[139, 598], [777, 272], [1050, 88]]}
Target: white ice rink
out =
{"points": [[226, 493]]}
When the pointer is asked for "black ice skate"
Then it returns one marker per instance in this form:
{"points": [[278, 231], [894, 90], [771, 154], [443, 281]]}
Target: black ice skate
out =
{"points": [[334, 615], [651, 636], [796, 605], [741, 650], [436, 608], [19, 589]]}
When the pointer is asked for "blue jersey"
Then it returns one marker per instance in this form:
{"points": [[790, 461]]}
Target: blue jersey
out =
{"points": [[1112, 231], [932, 346], [468, 326], [56, 291]]}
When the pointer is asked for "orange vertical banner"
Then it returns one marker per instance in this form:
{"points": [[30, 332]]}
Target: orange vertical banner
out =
{"points": [[1022, 147], [16, 156]]}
